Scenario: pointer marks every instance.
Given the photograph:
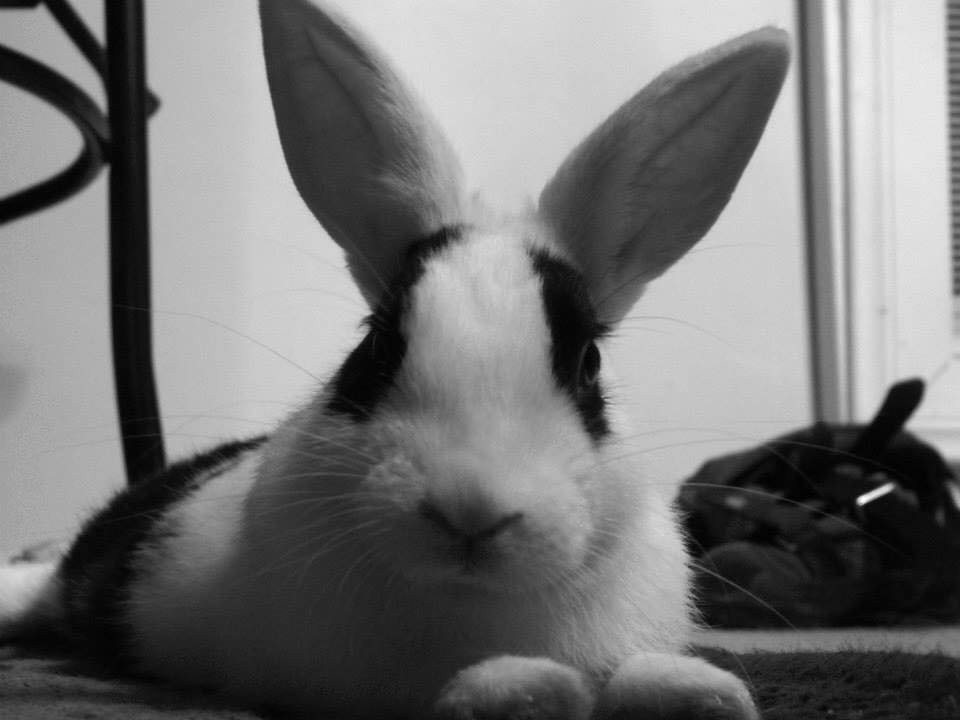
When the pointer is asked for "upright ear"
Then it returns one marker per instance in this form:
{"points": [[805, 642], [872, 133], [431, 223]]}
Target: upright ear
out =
{"points": [[652, 179], [364, 155]]}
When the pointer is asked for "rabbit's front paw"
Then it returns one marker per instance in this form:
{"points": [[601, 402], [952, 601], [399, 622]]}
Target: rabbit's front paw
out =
{"points": [[515, 688], [655, 686]]}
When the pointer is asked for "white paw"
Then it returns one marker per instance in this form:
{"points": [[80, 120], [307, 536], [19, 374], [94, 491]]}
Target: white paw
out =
{"points": [[515, 688], [654, 686]]}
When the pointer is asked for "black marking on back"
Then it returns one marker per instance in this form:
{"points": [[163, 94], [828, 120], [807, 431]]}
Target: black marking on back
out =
{"points": [[573, 326], [99, 569], [368, 372]]}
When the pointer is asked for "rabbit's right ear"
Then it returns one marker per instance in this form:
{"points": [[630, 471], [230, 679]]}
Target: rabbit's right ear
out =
{"points": [[650, 181], [366, 158]]}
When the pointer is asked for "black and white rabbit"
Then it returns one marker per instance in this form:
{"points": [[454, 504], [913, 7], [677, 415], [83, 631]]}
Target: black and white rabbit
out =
{"points": [[451, 527]]}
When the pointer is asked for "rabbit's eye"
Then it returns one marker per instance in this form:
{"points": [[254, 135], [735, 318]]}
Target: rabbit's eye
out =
{"points": [[383, 345], [589, 371]]}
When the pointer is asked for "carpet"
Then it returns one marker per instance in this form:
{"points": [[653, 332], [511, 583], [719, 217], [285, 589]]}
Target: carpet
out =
{"points": [[845, 685], [848, 685]]}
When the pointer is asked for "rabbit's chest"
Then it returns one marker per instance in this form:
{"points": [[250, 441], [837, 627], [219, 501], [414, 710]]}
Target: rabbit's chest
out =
{"points": [[385, 656]]}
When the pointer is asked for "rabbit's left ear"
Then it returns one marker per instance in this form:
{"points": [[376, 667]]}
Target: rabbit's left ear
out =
{"points": [[652, 179], [366, 157]]}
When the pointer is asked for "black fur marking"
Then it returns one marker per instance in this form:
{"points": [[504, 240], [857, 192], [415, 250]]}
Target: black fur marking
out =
{"points": [[574, 328], [99, 569], [368, 372]]}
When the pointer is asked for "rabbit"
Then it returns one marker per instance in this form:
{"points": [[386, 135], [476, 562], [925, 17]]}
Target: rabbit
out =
{"points": [[450, 526]]}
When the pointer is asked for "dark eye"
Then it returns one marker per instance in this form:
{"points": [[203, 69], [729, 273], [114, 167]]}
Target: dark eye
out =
{"points": [[380, 344], [589, 366]]}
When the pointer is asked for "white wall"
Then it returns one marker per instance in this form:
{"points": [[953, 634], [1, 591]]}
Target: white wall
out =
{"points": [[515, 84]]}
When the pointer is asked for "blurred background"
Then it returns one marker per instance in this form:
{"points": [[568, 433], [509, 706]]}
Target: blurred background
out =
{"points": [[252, 305]]}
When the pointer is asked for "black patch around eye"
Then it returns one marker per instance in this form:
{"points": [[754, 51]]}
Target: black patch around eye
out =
{"points": [[369, 370], [367, 374], [574, 328]]}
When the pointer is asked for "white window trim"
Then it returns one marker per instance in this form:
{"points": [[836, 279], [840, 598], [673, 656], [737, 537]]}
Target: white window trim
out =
{"points": [[879, 211]]}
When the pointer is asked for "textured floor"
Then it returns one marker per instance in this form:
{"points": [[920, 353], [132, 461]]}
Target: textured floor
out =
{"points": [[45, 687], [921, 639], [786, 685]]}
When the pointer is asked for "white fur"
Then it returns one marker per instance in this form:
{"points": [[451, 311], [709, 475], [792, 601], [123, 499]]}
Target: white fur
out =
{"points": [[678, 686], [516, 687], [478, 426], [308, 574]]}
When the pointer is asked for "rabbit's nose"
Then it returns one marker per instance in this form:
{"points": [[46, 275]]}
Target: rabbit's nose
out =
{"points": [[472, 527]]}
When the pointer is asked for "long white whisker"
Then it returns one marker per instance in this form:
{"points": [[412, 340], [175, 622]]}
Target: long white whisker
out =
{"points": [[222, 326]]}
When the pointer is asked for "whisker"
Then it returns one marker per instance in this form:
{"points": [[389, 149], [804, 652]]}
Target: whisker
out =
{"points": [[696, 250], [116, 439], [759, 600], [222, 326], [325, 518], [676, 321], [326, 292], [658, 448], [332, 543], [805, 506], [353, 566]]}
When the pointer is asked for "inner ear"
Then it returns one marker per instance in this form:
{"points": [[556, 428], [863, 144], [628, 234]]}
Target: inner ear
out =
{"points": [[366, 157], [651, 180]]}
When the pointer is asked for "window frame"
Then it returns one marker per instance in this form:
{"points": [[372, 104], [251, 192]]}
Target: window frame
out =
{"points": [[875, 99]]}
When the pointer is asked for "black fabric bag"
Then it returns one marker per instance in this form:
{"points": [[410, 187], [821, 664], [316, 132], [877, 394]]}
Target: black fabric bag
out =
{"points": [[829, 525]]}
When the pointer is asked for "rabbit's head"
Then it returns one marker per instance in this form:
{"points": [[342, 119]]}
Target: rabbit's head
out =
{"points": [[467, 441]]}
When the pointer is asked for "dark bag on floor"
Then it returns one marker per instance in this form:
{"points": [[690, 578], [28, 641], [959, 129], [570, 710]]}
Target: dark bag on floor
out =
{"points": [[829, 525]]}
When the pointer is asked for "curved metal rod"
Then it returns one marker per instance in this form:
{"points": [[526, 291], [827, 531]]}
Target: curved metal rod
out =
{"points": [[87, 44], [47, 84]]}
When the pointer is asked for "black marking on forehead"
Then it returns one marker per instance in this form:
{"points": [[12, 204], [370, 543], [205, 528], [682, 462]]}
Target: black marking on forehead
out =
{"points": [[368, 372], [573, 327]]}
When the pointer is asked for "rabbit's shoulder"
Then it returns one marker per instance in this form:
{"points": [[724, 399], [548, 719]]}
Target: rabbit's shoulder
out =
{"points": [[106, 560]]}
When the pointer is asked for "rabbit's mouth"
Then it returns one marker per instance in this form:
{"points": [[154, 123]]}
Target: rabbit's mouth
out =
{"points": [[511, 557], [477, 560]]}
